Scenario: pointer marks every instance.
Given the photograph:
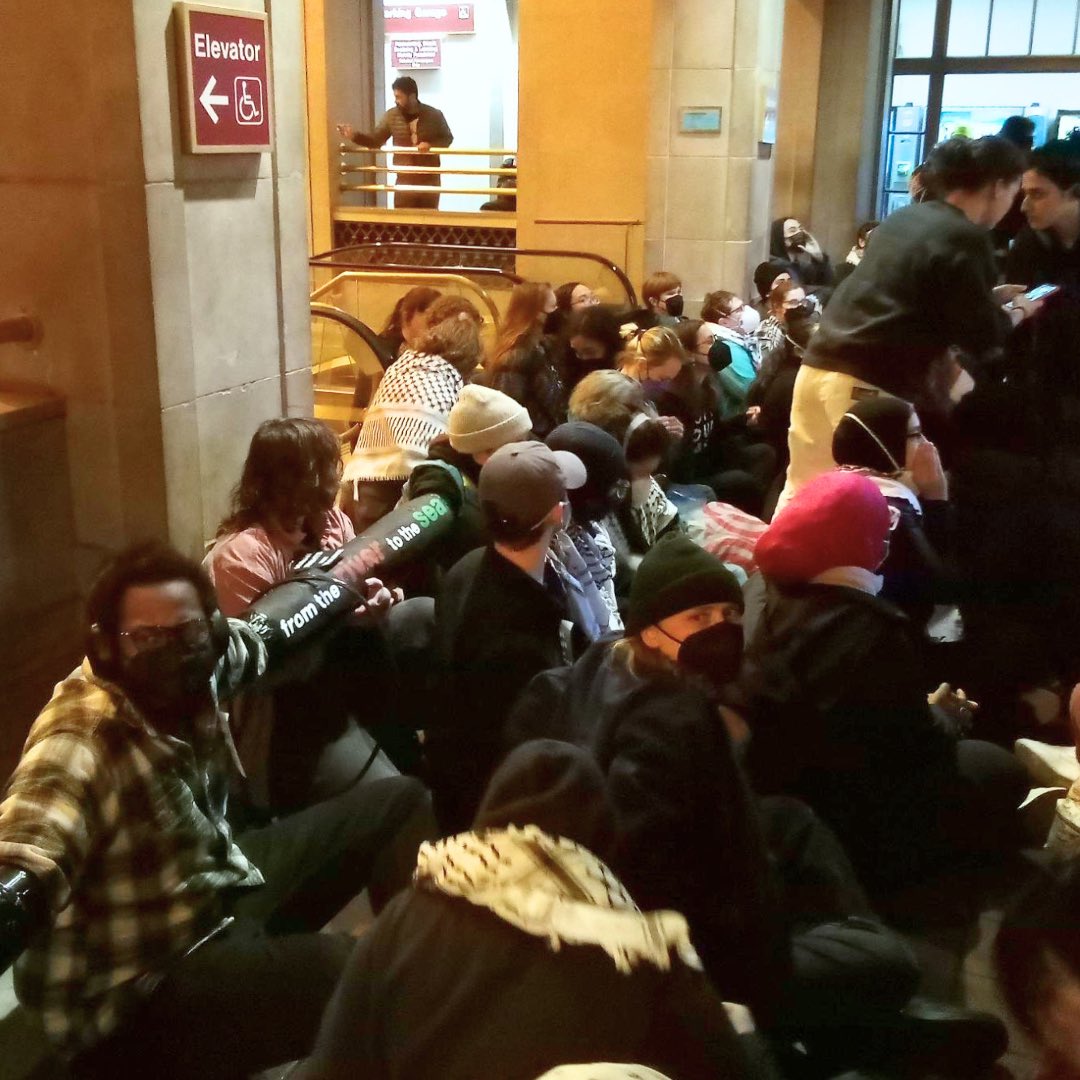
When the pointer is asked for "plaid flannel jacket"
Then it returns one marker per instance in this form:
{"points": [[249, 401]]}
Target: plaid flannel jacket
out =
{"points": [[126, 830]]}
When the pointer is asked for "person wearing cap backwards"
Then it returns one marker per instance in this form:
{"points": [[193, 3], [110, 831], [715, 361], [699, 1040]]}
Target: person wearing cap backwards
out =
{"points": [[500, 618], [838, 707], [517, 949]]}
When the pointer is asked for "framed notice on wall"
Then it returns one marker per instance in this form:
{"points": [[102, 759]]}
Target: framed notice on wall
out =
{"points": [[225, 92], [700, 120], [415, 54]]}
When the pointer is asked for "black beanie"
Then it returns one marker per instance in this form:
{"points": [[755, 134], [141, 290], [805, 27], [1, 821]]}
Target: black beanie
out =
{"points": [[676, 575], [556, 786]]}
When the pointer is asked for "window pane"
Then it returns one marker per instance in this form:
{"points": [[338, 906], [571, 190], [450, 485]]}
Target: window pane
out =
{"points": [[967, 27], [915, 33], [904, 140], [1010, 28], [1055, 21], [979, 104]]}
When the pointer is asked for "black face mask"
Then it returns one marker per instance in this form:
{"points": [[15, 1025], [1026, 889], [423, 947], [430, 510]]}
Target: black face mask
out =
{"points": [[715, 653], [719, 355], [171, 683], [674, 305]]}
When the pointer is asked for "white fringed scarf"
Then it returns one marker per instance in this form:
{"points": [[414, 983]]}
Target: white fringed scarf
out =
{"points": [[552, 888]]}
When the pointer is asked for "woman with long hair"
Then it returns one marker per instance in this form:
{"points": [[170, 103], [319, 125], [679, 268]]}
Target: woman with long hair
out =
{"points": [[407, 322], [296, 738], [521, 363], [411, 408]]}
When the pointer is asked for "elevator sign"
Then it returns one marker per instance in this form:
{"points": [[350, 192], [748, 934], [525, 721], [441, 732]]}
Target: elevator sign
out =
{"points": [[225, 80]]}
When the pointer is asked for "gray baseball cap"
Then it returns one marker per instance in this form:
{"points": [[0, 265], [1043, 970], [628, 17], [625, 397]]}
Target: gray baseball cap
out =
{"points": [[522, 481]]}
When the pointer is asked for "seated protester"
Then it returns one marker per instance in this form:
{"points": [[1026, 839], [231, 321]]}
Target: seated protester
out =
{"points": [[770, 398], [480, 422], [683, 386], [689, 834], [768, 274], [522, 365], [499, 619], [1047, 250], [662, 296], [155, 935], [784, 296], [606, 491], [591, 341], [410, 409], [838, 708], [298, 738], [517, 949], [570, 297], [616, 403], [790, 241], [407, 324], [736, 324], [858, 250], [882, 439]]}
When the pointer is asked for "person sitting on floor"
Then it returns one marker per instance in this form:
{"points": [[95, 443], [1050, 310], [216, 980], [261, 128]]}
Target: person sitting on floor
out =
{"points": [[154, 935], [522, 364], [297, 734], [499, 619], [882, 438], [837, 701], [410, 409], [517, 949]]}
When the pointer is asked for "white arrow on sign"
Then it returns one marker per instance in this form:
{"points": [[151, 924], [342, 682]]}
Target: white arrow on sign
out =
{"points": [[208, 99]]}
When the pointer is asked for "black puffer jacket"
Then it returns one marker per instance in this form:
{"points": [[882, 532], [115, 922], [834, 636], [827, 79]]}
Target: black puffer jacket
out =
{"points": [[836, 703], [688, 829]]}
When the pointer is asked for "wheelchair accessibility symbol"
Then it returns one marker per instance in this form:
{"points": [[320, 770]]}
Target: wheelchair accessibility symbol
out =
{"points": [[248, 99]]}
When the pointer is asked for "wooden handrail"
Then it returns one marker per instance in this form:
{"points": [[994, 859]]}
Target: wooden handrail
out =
{"points": [[484, 151]]}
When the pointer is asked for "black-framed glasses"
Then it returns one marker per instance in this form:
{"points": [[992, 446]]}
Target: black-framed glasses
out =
{"points": [[144, 638]]}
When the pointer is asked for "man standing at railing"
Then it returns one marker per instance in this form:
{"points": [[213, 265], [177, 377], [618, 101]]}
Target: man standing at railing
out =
{"points": [[409, 123]]}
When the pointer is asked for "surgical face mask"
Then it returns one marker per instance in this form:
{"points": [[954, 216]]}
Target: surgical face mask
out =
{"points": [[749, 319], [639, 490], [170, 682], [674, 305], [714, 653]]}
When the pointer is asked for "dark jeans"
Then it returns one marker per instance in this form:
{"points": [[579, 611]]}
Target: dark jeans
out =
{"points": [[252, 998], [848, 969], [416, 200]]}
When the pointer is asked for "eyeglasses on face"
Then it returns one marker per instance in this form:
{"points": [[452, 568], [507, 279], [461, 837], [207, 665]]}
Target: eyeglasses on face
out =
{"points": [[144, 638]]}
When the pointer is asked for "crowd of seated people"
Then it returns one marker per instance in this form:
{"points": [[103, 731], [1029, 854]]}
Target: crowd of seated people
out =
{"points": [[648, 671]]}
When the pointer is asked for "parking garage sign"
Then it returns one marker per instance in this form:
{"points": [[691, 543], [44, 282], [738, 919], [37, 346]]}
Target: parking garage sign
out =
{"points": [[225, 80]]}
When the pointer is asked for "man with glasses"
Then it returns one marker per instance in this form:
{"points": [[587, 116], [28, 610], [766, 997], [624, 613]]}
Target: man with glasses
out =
{"points": [[154, 934]]}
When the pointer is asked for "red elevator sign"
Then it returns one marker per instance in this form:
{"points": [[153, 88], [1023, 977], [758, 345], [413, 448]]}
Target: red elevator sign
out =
{"points": [[428, 18], [225, 80]]}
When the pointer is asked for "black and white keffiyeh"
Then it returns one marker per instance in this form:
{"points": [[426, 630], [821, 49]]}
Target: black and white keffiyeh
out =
{"points": [[550, 887]]}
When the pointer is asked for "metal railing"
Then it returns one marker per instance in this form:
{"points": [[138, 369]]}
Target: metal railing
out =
{"points": [[425, 276], [345, 150], [338, 258]]}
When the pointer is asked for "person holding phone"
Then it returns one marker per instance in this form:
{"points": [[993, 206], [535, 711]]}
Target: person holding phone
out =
{"points": [[925, 284]]}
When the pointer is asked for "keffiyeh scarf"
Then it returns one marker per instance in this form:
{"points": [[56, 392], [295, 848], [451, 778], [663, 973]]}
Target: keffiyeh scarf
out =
{"points": [[552, 888]]}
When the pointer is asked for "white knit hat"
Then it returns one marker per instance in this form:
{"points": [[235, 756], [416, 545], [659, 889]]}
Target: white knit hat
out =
{"points": [[484, 419]]}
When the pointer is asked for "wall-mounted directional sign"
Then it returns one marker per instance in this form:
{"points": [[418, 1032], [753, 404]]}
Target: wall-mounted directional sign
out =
{"points": [[224, 80]]}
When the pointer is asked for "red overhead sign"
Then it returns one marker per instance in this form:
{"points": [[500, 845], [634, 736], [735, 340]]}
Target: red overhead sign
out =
{"points": [[225, 80], [412, 54], [429, 18]]}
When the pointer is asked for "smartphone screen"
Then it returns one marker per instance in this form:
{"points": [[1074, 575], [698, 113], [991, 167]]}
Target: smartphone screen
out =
{"points": [[1041, 291]]}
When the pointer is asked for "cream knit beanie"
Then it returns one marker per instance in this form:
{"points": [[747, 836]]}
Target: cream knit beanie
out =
{"points": [[483, 419]]}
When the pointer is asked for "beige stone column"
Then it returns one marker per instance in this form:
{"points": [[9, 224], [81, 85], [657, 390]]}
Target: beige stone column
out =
{"points": [[173, 296], [709, 196]]}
